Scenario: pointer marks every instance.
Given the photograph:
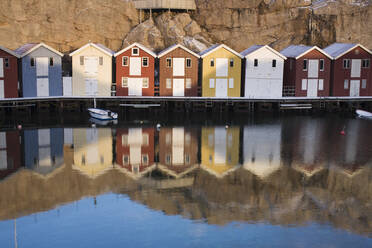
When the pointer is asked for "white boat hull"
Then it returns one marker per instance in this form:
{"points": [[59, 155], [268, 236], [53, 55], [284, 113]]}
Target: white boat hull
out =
{"points": [[102, 114], [364, 114]]}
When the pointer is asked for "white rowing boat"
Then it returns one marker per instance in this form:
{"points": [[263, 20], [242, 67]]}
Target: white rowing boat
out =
{"points": [[102, 114], [363, 114]]}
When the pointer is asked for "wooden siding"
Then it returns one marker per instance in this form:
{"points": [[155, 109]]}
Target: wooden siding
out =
{"points": [[209, 72], [146, 72], [13, 153], [167, 72], [339, 74], [10, 75]]}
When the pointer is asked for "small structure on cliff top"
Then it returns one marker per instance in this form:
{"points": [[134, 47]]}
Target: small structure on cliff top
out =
{"points": [[165, 4]]}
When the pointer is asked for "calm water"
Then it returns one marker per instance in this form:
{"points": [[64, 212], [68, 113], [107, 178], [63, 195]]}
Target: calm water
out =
{"points": [[290, 181]]}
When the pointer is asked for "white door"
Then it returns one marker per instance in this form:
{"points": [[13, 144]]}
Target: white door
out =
{"points": [[221, 87], [1, 67], [2, 95], [91, 86], [313, 68], [91, 66], [135, 86], [221, 67], [179, 67], [178, 141], [312, 87], [135, 66], [67, 86], [219, 145], [354, 88], [42, 66], [42, 88], [355, 68], [178, 87]]}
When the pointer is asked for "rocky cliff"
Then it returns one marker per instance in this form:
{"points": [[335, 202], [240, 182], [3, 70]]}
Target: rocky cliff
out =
{"points": [[68, 24]]}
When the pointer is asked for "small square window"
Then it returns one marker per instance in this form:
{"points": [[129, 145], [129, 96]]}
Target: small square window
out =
{"points": [[255, 62], [273, 64], [304, 66], [231, 62], [365, 63], [169, 62], [364, 83], [81, 60], [51, 61], [6, 62], [168, 83], [145, 61], [188, 63], [346, 84], [346, 63], [125, 159], [321, 65], [212, 63], [188, 83], [124, 82], [100, 60], [135, 51], [32, 62], [125, 61], [145, 82]]}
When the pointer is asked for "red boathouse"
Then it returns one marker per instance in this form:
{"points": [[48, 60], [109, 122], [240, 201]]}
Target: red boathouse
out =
{"points": [[135, 71], [351, 69], [8, 73], [307, 70]]}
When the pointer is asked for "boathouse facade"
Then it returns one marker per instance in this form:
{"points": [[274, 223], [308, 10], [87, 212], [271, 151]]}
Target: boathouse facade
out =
{"points": [[10, 153], [178, 71], [351, 69], [135, 71], [221, 72], [8, 73], [308, 70], [41, 70], [92, 70], [263, 72]]}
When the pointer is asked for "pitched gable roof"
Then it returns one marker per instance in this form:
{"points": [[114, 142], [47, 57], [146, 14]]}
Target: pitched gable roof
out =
{"points": [[297, 51], [149, 51], [30, 47], [98, 46], [171, 48], [9, 51], [254, 48], [216, 47], [337, 50]]}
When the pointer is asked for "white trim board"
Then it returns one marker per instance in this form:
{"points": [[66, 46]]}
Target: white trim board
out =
{"points": [[40, 45], [221, 46], [174, 47], [92, 45], [136, 45]]}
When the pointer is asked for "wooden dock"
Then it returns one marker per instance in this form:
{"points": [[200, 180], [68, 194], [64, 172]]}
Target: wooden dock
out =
{"points": [[186, 104]]}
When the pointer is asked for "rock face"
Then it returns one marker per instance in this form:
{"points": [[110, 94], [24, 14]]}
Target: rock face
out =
{"points": [[68, 24]]}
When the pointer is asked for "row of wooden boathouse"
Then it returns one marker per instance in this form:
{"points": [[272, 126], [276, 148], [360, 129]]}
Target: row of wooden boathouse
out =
{"points": [[341, 69]]}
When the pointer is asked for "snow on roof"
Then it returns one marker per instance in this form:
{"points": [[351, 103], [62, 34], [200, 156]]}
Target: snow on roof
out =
{"points": [[336, 50], [293, 51], [251, 50], [148, 50], [175, 46], [30, 47]]}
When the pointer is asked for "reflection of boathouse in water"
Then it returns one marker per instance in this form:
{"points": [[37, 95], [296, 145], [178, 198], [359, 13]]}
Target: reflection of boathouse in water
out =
{"points": [[262, 149], [135, 150], [10, 153], [92, 151], [220, 150], [43, 150], [178, 150]]}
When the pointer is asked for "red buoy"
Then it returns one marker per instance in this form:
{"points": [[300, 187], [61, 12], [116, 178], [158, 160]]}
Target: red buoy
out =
{"points": [[342, 132]]}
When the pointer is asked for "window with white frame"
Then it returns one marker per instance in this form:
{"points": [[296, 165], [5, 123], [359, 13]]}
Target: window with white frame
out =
{"points": [[304, 66], [273, 64], [188, 63], [125, 61], [145, 61], [365, 63], [321, 84], [364, 83], [32, 62], [255, 62], [346, 63], [6, 63], [321, 64], [346, 84], [231, 62], [168, 83], [51, 61], [212, 63], [304, 84], [145, 82], [169, 62], [211, 83], [188, 83], [124, 82], [135, 51]]}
